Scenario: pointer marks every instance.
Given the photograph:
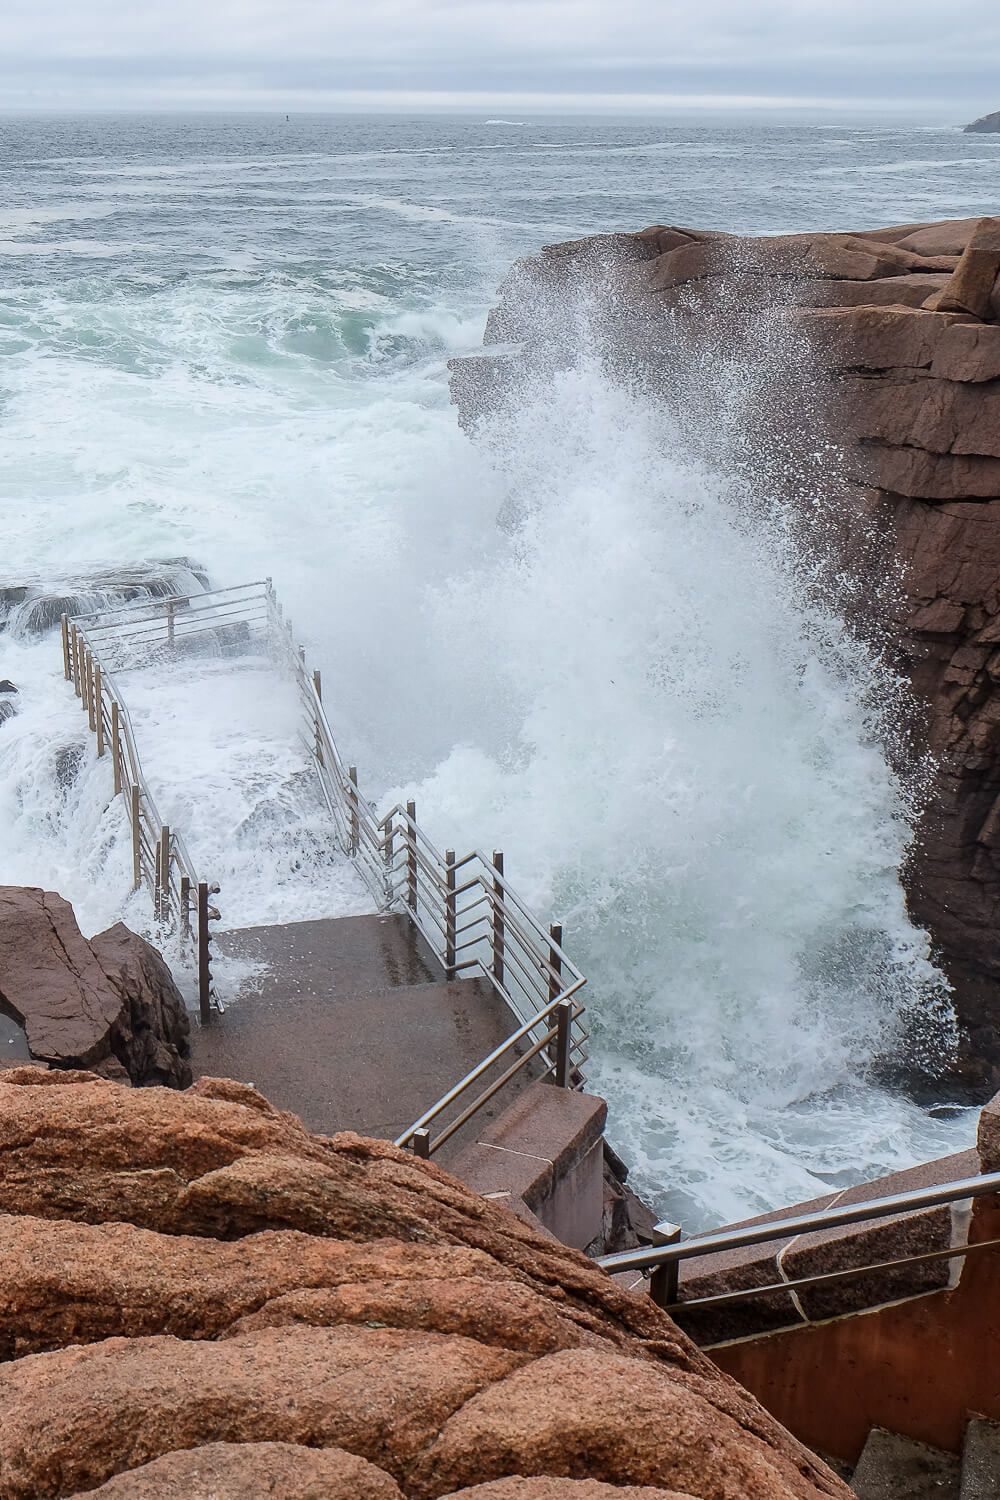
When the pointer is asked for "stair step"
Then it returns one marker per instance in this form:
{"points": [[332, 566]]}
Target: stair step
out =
{"points": [[981, 1461], [897, 1468]]}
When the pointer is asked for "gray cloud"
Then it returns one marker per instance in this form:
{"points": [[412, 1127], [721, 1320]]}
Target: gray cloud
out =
{"points": [[311, 53]]}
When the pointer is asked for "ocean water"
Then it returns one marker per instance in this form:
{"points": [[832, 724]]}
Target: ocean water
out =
{"points": [[224, 338]]}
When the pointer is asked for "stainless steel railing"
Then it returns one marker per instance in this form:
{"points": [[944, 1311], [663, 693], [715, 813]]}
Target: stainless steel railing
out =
{"points": [[661, 1261], [463, 906], [160, 857]]}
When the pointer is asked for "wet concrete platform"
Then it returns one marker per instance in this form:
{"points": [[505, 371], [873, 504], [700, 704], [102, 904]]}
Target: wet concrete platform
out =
{"points": [[353, 1026]]}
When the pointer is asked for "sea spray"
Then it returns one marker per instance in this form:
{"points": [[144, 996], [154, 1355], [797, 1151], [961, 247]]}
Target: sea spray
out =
{"points": [[676, 740], [247, 368]]}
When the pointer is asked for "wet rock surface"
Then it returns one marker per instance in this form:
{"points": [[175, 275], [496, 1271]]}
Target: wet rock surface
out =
{"points": [[266, 1311], [896, 334], [31, 608], [109, 1005]]}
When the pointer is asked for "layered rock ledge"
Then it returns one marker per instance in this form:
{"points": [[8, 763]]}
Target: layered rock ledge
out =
{"points": [[880, 350], [199, 1298], [109, 1005]]}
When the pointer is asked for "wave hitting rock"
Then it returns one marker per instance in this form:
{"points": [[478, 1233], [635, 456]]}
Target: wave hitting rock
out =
{"points": [[878, 356]]}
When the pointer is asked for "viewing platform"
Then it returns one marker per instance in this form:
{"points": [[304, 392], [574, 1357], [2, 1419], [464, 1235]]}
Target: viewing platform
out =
{"points": [[353, 1025], [441, 1018]]}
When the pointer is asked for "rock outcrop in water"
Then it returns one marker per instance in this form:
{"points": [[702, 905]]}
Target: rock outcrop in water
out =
{"points": [[985, 125], [108, 1005], [881, 347], [31, 607], [199, 1298]]}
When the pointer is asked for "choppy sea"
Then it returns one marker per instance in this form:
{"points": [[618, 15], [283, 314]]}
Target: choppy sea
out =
{"points": [[225, 338]]}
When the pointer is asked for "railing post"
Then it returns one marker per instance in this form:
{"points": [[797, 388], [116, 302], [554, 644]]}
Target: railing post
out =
{"points": [[99, 708], [185, 906], [420, 1140], [170, 622], [664, 1280], [164, 892], [555, 962], [88, 686], [67, 669], [411, 856], [389, 854], [318, 689], [136, 837], [204, 956], [116, 746], [499, 933], [352, 774], [74, 648], [564, 1043], [450, 913]]}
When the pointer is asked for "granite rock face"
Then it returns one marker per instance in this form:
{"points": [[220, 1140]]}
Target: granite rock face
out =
{"points": [[885, 343], [109, 1005], [266, 1311], [31, 607], [985, 125]]}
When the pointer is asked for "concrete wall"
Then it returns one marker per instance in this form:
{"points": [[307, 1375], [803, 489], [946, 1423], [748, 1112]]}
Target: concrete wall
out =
{"points": [[544, 1157], [918, 1366]]}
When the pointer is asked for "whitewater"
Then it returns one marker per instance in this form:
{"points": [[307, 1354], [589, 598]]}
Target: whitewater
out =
{"points": [[224, 339]]}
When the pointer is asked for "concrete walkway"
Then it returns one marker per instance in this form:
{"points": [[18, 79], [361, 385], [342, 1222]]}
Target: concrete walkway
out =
{"points": [[353, 1026]]}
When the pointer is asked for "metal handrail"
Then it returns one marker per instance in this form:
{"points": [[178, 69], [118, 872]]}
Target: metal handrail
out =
{"points": [[565, 1011], [663, 1259], [406, 872], [403, 869], [160, 857]]}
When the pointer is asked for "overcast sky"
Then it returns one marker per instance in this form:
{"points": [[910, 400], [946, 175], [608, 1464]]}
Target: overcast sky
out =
{"points": [[918, 56]]}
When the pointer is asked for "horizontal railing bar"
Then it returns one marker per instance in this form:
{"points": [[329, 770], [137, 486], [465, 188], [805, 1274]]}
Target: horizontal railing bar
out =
{"points": [[824, 1277], [160, 601], [400, 812], [471, 907], [494, 1088], [798, 1224], [185, 628], [510, 898], [513, 924], [474, 942], [530, 982], [476, 1072], [422, 864], [188, 613]]}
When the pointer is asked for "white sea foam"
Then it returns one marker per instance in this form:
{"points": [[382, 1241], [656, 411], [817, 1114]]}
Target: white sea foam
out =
{"points": [[564, 639]]}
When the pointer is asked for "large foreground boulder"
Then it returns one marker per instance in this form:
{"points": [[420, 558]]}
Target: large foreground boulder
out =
{"points": [[199, 1298], [109, 1005]]}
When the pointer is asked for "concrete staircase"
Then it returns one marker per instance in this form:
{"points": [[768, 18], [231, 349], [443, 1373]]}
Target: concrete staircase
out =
{"points": [[892, 1467], [353, 1025]]}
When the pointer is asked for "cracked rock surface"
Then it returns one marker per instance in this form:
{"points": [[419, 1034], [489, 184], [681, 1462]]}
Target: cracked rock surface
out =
{"points": [[199, 1298]]}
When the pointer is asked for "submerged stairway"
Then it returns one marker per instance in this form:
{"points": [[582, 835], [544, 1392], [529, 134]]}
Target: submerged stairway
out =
{"points": [[442, 1004]]}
